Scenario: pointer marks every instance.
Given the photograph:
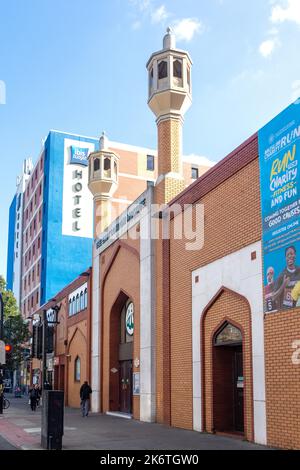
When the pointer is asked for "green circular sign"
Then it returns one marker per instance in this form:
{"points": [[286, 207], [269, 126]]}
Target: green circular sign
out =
{"points": [[129, 320]]}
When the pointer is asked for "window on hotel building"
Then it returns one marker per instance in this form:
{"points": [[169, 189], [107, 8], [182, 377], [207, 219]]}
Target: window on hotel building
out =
{"points": [[31, 301], [37, 297], [41, 164], [40, 189], [35, 196], [70, 307], [33, 275], [150, 162], [33, 250], [73, 305], [195, 173], [39, 243], [38, 269], [40, 215], [77, 369]]}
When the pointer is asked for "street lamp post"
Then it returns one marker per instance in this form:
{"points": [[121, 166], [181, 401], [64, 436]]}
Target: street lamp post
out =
{"points": [[1, 316], [44, 348]]}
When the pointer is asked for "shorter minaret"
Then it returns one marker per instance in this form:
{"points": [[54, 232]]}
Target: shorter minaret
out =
{"points": [[169, 97], [103, 182]]}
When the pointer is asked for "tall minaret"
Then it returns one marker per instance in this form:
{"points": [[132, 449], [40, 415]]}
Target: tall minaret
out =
{"points": [[103, 181], [170, 96]]}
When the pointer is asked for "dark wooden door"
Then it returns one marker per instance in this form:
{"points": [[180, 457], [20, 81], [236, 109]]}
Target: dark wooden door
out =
{"points": [[126, 386], [238, 384]]}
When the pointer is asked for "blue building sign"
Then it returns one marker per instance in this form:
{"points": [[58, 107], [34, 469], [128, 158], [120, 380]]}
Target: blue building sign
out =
{"points": [[79, 156], [279, 159]]}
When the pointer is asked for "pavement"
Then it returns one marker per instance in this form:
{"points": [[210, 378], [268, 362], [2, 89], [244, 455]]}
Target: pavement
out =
{"points": [[20, 428]]}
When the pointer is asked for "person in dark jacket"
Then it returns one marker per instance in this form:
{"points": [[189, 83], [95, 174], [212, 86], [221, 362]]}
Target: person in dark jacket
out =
{"points": [[33, 397], [85, 392]]}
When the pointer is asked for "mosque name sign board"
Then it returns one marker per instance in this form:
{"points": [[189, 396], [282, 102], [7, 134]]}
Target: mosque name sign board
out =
{"points": [[279, 160], [123, 223]]}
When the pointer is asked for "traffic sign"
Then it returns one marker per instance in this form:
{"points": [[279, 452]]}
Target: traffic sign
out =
{"points": [[2, 352]]}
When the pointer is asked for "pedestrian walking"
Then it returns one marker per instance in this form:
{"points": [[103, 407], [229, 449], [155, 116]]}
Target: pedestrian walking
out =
{"points": [[33, 397], [85, 392]]}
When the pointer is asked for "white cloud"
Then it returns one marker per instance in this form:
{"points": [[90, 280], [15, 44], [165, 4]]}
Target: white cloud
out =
{"points": [[253, 75], [295, 90], [160, 14], [198, 160], [186, 28], [267, 47], [290, 13], [142, 5], [136, 25]]}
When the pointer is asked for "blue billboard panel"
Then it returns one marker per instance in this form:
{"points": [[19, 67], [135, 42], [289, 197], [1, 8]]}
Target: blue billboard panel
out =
{"points": [[79, 156], [279, 160]]}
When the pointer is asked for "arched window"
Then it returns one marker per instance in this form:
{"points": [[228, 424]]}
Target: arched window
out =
{"points": [[70, 307], [96, 164], [107, 167], [162, 69], [85, 298], [77, 303], [73, 305], [151, 80], [81, 301], [77, 369], [115, 170], [228, 334], [177, 68]]}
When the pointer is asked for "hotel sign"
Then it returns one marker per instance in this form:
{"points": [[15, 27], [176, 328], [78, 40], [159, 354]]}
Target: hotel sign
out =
{"points": [[77, 199], [279, 159]]}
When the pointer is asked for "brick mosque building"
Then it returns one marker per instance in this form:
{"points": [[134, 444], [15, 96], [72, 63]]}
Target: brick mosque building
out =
{"points": [[182, 334]]}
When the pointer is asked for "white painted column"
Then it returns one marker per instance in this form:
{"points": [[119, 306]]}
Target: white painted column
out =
{"points": [[147, 320], [96, 335]]}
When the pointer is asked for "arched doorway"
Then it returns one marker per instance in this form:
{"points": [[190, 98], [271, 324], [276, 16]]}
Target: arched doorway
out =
{"points": [[126, 356], [228, 379], [121, 355]]}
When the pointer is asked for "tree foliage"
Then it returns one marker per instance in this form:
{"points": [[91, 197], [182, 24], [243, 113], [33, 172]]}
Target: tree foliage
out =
{"points": [[16, 331], [9, 301]]}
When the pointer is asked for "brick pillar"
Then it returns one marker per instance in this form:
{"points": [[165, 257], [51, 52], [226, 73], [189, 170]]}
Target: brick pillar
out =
{"points": [[102, 215]]}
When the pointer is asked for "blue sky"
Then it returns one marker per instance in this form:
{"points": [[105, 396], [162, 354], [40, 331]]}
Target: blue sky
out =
{"points": [[79, 66]]}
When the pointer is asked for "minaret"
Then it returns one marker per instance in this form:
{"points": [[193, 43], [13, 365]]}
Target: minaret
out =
{"points": [[103, 181], [169, 98]]}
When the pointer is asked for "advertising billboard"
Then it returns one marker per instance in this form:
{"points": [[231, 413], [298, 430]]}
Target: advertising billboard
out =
{"points": [[279, 159]]}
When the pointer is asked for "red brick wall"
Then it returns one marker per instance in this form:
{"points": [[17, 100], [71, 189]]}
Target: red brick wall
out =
{"points": [[282, 379]]}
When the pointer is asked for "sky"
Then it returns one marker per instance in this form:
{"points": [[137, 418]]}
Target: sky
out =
{"points": [[80, 66]]}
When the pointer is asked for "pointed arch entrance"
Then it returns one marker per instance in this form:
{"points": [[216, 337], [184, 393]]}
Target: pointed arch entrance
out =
{"points": [[226, 365], [121, 354], [228, 379]]}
